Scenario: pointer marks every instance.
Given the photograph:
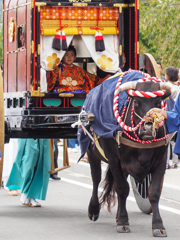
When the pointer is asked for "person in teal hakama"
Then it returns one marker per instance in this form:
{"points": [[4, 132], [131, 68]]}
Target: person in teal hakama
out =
{"points": [[30, 170]]}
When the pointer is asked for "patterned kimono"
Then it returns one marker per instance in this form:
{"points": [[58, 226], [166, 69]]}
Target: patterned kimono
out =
{"points": [[71, 78]]}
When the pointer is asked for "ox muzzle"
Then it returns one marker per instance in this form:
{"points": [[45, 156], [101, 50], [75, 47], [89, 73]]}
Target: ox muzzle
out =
{"points": [[145, 132]]}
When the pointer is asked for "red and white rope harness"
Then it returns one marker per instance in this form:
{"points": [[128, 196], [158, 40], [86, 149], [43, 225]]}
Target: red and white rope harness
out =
{"points": [[159, 93], [131, 92]]}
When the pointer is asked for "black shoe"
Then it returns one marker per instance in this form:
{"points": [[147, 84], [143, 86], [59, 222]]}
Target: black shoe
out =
{"points": [[54, 177]]}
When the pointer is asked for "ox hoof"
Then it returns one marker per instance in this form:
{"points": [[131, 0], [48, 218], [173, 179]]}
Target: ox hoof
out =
{"points": [[93, 217], [159, 233], [123, 229]]}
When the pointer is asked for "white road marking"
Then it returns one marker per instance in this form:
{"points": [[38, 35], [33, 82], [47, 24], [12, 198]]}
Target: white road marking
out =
{"points": [[85, 185], [171, 186]]}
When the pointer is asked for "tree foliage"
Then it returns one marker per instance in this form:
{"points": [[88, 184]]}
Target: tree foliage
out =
{"points": [[160, 31]]}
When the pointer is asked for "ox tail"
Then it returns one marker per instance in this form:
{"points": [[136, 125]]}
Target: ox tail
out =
{"points": [[109, 191]]}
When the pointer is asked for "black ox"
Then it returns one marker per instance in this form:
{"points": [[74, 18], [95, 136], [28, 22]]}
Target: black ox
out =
{"points": [[131, 160]]}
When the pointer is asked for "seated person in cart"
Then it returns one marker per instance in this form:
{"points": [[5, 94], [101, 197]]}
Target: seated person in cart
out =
{"points": [[69, 77]]}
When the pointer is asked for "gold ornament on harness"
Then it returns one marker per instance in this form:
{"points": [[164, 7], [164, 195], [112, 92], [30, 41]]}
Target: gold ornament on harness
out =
{"points": [[157, 119]]}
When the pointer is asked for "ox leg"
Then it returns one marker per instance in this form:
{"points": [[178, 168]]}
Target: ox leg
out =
{"points": [[122, 215], [95, 165], [122, 189], [154, 195]]}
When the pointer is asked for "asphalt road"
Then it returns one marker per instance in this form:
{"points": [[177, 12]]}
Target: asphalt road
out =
{"points": [[63, 215]]}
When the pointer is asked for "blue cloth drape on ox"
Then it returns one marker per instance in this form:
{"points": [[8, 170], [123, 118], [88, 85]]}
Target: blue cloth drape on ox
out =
{"points": [[99, 101], [30, 169]]}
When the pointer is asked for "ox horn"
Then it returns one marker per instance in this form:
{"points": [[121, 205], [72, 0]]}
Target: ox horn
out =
{"points": [[127, 85], [167, 86]]}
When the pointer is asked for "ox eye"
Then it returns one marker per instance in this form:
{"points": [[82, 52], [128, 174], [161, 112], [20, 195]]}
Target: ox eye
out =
{"points": [[136, 103]]}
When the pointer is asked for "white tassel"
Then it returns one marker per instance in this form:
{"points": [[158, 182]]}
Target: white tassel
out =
{"points": [[43, 81]]}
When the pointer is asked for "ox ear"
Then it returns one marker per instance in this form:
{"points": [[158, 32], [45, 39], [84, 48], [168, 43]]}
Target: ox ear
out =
{"points": [[167, 94]]}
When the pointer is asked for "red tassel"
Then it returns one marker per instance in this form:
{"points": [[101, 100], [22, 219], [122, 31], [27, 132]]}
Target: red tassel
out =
{"points": [[64, 42], [99, 42], [57, 41]]}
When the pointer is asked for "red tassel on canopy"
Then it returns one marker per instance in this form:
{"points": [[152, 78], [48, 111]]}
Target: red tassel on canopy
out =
{"points": [[64, 42], [57, 41], [99, 42]]}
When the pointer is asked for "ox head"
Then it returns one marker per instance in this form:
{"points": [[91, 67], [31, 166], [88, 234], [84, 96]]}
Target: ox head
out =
{"points": [[142, 104]]}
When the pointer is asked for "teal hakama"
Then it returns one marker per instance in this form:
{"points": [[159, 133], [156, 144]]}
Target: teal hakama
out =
{"points": [[30, 169]]}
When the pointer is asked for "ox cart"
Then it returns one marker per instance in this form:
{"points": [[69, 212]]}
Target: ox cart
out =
{"points": [[29, 27]]}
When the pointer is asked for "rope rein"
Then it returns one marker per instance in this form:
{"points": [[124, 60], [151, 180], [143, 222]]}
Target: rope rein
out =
{"points": [[158, 119], [136, 139]]}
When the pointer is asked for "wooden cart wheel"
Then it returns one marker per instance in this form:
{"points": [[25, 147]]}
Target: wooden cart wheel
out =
{"points": [[148, 62], [141, 193], [1, 125]]}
